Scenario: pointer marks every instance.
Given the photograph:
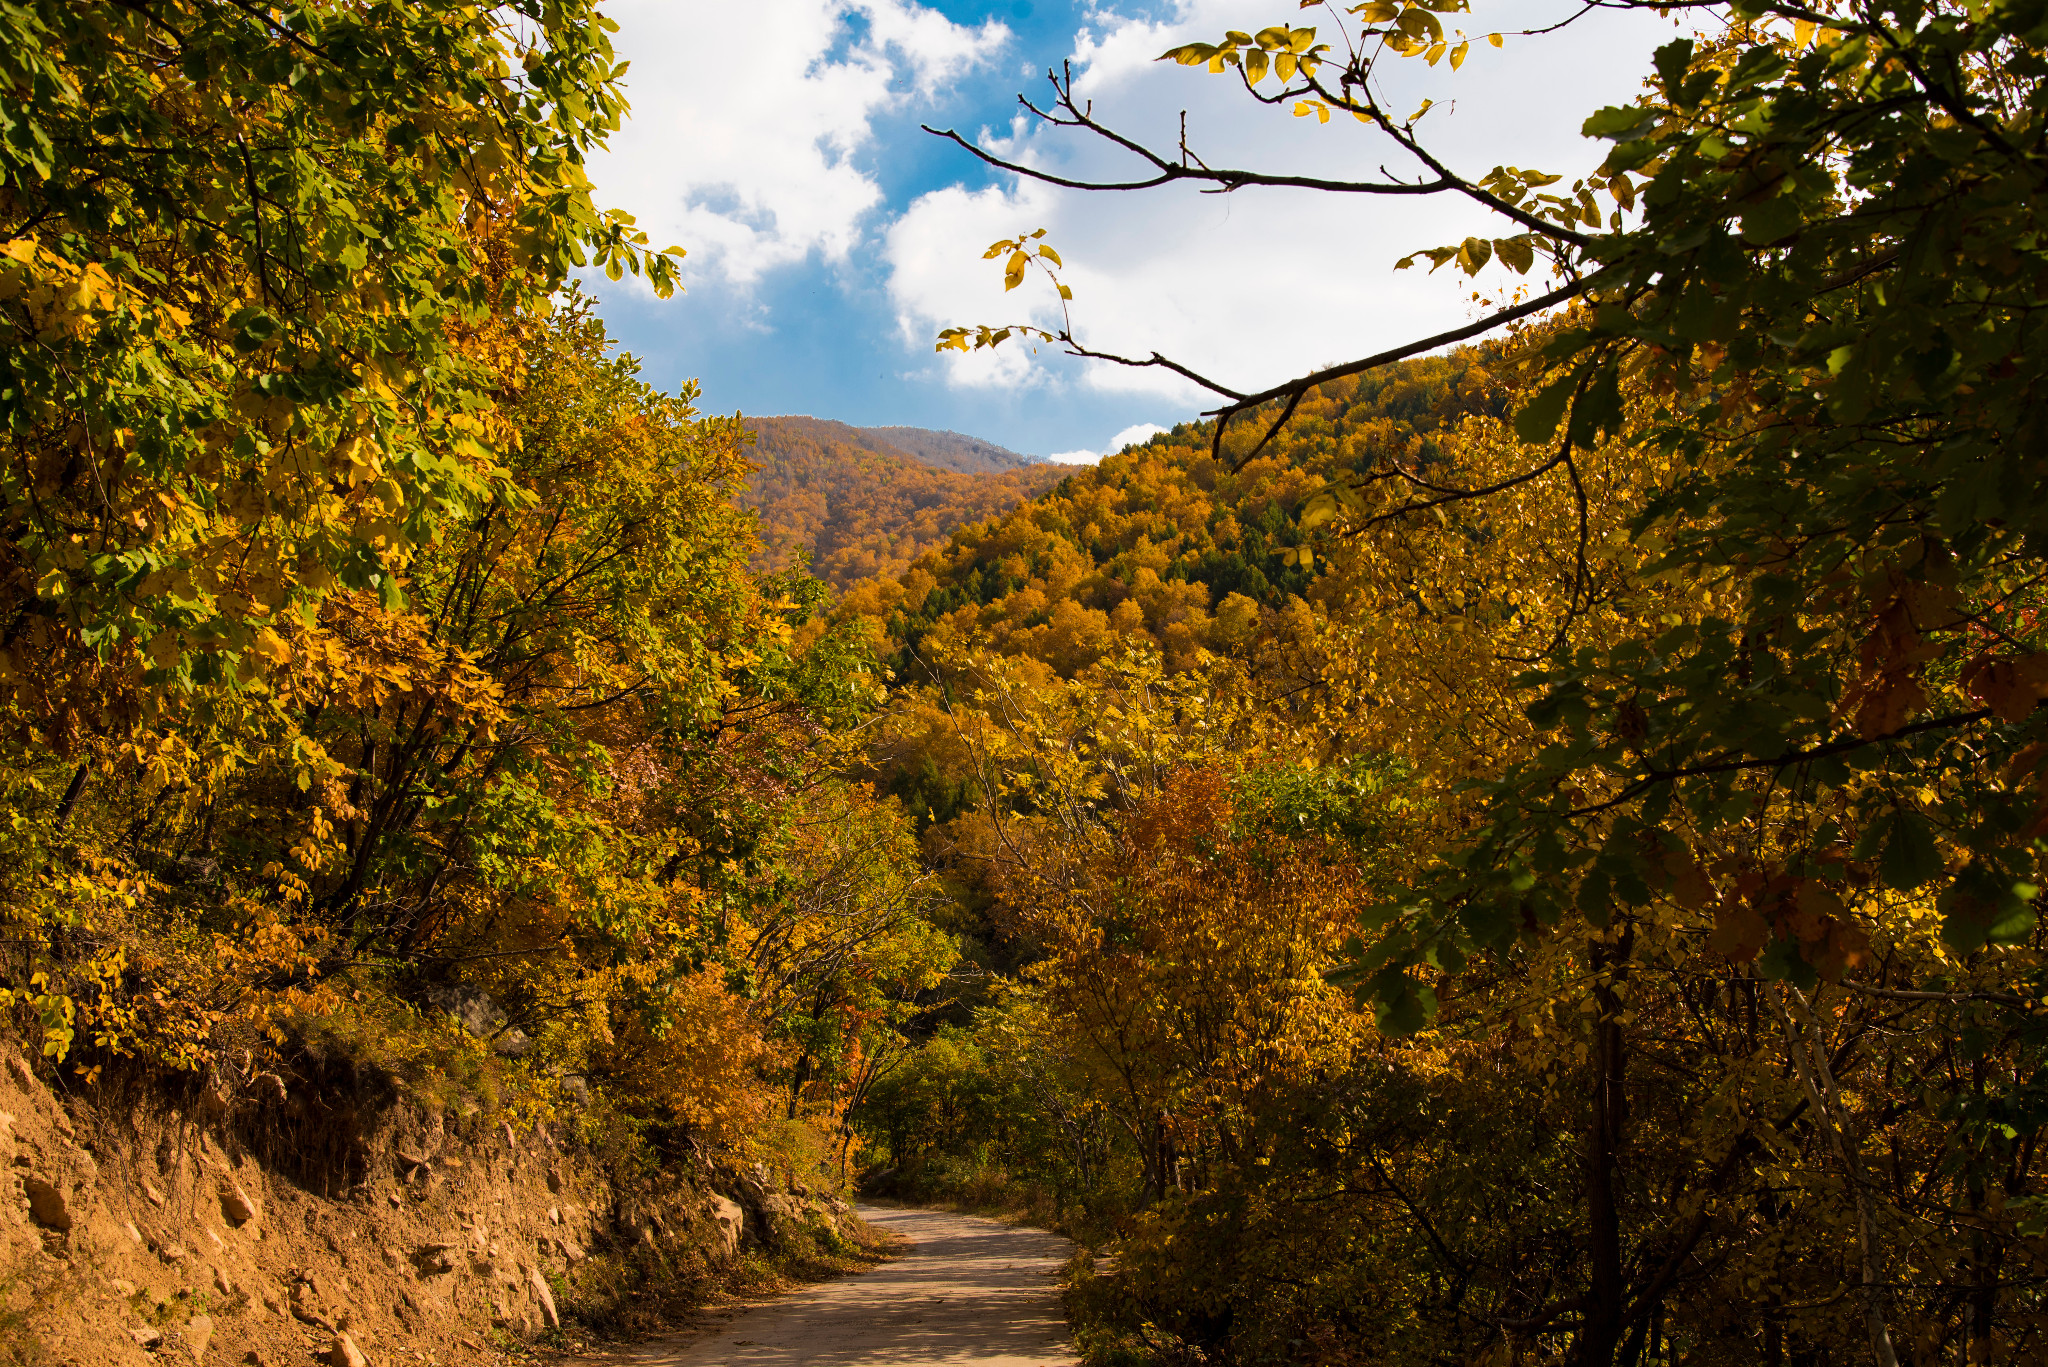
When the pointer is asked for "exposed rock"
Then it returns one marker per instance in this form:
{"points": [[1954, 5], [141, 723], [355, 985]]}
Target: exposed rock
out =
{"points": [[473, 1009], [146, 1338], [554, 1179], [150, 1193], [23, 1078], [344, 1353], [434, 1259], [198, 1333], [47, 1205], [306, 1307], [543, 1296], [237, 1205], [730, 1220]]}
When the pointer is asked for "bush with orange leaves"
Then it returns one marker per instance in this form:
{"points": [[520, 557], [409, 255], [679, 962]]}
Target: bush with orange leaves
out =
{"points": [[1187, 972]]}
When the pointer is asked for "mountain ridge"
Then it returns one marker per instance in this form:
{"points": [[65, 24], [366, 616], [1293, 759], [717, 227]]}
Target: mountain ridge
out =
{"points": [[940, 448], [861, 502]]}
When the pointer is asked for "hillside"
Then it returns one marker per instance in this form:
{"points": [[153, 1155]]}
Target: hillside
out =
{"points": [[952, 450], [1162, 542], [869, 501]]}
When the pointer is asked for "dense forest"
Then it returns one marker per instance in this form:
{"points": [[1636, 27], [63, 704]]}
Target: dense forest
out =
{"points": [[857, 503], [1522, 848]]}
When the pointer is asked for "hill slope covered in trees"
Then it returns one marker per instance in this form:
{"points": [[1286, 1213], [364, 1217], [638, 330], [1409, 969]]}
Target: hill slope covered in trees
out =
{"points": [[1163, 544], [868, 501]]}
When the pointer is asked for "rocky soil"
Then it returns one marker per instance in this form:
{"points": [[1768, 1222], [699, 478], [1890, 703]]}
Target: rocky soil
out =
{"points": [[157, 1233]]}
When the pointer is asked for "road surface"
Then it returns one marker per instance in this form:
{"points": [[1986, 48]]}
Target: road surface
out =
{"points": [[970, 1291]]}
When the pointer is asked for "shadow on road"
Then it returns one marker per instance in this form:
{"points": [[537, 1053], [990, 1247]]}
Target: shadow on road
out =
{"points": [[970, 1291]]}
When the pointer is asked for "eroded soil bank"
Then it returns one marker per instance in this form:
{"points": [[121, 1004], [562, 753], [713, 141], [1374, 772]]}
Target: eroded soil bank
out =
{"points": [[313, 1225]]}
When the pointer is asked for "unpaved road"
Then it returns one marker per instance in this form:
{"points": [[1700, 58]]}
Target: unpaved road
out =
{"points": [[971, 1291]]}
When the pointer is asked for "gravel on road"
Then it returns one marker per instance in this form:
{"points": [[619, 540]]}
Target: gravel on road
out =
{"points": [[969, 1291]]}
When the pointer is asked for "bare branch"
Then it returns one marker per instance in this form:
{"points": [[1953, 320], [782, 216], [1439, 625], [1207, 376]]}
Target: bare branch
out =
{"points": [[1295, 388], [1226, 179]]}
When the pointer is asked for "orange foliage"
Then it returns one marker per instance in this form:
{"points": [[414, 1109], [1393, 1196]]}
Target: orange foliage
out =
{"points": [[863, 506], [1167, 546]]}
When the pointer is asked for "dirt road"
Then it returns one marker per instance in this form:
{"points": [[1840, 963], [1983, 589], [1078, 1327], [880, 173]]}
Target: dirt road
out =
{"points": [[972, 1291]]}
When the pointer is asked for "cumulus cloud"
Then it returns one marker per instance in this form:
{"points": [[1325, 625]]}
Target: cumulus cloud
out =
{"points": [[1250, 287], [1130, 436], [751, 162]]}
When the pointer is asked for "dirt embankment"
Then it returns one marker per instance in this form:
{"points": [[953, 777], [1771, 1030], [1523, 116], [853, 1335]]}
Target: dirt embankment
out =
{"points": [[304, 1229]]}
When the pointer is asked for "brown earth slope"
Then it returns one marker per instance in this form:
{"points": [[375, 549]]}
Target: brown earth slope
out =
{"points": [[326, 1226], [869, 501]]}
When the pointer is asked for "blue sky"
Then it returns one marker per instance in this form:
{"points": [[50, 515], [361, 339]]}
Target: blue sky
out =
{"points": [[829, 238]]}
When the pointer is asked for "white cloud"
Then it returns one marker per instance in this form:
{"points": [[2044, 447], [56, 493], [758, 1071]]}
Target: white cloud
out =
{"points": [[1134, 434], [1250, 287], [1130, 436], [747, 118]]}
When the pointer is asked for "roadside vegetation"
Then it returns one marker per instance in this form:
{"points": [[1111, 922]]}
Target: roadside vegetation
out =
{"points": [[1522, 848]]}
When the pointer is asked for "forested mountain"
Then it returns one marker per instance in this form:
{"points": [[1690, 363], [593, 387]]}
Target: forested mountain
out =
{"points": [[951, 450], [868, 501], [1163, 544]]}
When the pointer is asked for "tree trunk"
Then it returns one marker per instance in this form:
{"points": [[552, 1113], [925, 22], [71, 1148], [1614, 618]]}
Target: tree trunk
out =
{"points": [[71, 794], [1606, 1296], [1165, 1165], [1810, 1059], [1601, 1332]]}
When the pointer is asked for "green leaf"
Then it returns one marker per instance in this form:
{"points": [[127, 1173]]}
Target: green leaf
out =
{"points": [[1673, 60], [1782, 962], [1910, 857], [1599, 409], [1620, 123], [1772, 220], [1538, 418], [1407, 1010], [1596, 898], [1516, 253]]}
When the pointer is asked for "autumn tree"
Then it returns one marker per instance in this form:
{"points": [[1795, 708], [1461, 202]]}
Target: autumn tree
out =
{"points": [[1798, 294], [251, 256], [375, 642]]}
